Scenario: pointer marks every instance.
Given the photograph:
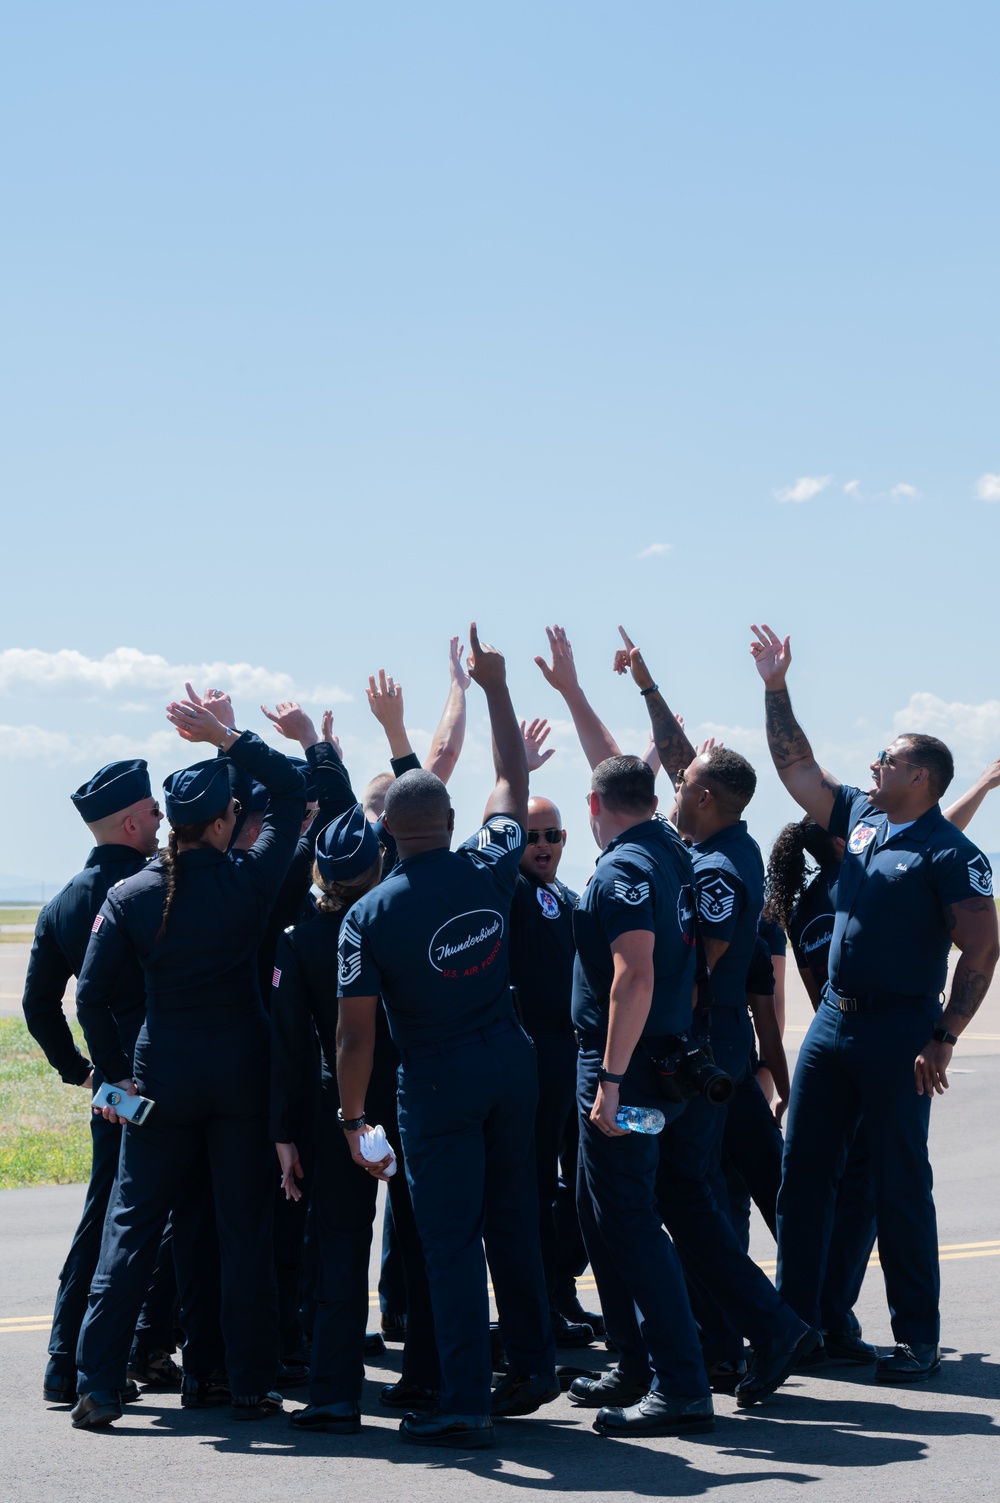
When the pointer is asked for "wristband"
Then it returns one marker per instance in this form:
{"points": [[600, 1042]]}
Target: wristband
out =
{"points": [[604, 1075], [942, 1036], [651, 690], [351, 1124]]}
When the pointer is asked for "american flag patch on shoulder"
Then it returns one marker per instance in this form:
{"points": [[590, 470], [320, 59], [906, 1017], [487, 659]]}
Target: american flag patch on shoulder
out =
{"points": [[276, 978], [99, 920]]}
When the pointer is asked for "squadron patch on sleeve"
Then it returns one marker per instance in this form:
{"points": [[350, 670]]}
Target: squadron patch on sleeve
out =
{"points": [[349, 954], [981, 875], [861, 836], [631, 892], [716, 900], [547, 903]]}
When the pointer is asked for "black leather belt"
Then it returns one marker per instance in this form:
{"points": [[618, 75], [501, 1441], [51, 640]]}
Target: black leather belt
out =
{"points": [[878, 1001]]}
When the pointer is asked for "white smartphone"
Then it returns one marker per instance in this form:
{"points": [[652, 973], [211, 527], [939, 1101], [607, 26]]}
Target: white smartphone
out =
{"points": [[134, 1109]]}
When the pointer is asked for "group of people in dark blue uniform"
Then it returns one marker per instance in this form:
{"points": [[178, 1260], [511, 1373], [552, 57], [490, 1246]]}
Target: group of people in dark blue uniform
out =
{"points": [[313, 983]]}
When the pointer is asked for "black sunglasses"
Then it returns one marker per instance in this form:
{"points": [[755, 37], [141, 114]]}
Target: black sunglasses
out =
{"points": [[552, 837]]}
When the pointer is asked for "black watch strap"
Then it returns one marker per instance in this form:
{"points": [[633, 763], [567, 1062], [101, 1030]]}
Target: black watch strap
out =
{"points": [[942, 1036], [606, 1075], [351, 1124]]}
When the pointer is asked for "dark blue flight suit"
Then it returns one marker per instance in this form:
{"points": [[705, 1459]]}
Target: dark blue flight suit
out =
{"points": [[202, 1055], [304, 1002], [432, 939], [888, 966], [752, 1141], [542, 953], [61, 937], [810, 933], [643, 880]]}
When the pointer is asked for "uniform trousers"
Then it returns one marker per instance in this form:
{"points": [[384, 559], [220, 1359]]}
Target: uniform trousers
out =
{"points": [[466, 1118], [858, 1067], [641, 1285], [210, 1085], [556, 1054], [154, 1326], [852, 1239], [344, 1204]]}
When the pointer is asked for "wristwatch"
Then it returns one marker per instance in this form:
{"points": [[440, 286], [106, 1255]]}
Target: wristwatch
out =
{"points": [[351, 1124], [942, 1036], [606, 1075]]}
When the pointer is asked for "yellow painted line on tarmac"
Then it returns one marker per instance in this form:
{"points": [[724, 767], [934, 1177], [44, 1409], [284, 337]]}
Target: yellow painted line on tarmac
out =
{"points": [[948, 1252]]}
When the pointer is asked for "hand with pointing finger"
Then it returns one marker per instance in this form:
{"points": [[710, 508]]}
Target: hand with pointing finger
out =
{"points": [[629, 659]]}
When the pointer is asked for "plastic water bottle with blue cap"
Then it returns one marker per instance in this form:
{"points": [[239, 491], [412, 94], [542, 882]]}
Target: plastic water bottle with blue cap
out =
{"points": [[647, 1119]]}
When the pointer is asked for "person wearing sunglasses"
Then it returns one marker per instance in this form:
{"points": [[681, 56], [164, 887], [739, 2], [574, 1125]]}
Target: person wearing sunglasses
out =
{"points": [[542, 954], [194, 919], [123, 818], [879, 1046]]}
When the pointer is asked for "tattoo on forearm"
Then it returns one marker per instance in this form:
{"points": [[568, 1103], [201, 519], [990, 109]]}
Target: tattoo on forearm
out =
{"points": [[967, 992], [786, 739], [674, 748]]}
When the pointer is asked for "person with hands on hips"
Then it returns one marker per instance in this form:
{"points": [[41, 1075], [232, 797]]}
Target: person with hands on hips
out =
{"points": [[194, 918], [879, 1046]]}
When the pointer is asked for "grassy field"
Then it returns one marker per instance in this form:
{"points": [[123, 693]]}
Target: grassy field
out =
{"points": [[44, 1125], [12, 915]]}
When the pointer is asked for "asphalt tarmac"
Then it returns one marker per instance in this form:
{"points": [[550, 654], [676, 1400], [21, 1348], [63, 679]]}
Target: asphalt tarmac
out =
{"points": [[834, 1429]]}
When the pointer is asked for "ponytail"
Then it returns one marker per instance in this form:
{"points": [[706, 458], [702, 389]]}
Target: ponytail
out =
{"points": [[787, 871]]}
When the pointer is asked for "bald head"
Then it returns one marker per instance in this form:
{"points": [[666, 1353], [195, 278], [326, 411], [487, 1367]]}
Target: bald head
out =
{"points": [[373, 798], [546, 840], [136, 826]]}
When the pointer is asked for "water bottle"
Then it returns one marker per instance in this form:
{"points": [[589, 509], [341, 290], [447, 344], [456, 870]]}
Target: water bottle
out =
{"points": [[640, 1118]]}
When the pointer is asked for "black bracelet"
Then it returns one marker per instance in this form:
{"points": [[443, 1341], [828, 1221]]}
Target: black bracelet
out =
{"points": [[651, 690], [351, 1124], [942, 1036]]}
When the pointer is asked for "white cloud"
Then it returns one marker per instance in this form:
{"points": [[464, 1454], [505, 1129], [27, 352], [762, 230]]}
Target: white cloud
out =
{"points": [[853, 488], [804, 488], [655, 550], [971, 731], [904, 492], [31, 743], [126, 670], [988, 488]]}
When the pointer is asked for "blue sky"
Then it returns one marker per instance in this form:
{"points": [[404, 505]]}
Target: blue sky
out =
{"points": [[327, 327]]}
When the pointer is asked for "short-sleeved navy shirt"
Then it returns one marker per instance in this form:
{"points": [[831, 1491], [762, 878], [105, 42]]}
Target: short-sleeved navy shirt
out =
{"points": [[729, 876], [542, 952], [890, 933], [433, 938], [773, 936], [810, 928], [760, 976], [643, 880]]}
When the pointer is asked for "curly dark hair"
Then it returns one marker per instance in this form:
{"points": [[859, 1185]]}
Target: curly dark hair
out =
{"points": [[787, 868]]}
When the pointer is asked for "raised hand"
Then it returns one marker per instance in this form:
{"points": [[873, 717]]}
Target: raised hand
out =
{"points": [[772, 656], [196, 723], [561, 672], [218, 701], [533, 736], [708, 745], [293, 722], [459, 677], [485, 664], [629, 659], [385, 700], [327, 733]]}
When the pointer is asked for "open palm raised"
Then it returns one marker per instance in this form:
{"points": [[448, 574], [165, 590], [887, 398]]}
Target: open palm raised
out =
{"points": [[771, 654]]}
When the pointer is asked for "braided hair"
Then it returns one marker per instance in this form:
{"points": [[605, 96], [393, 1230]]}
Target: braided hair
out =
{"points": [[787, 868], [188, 835]]}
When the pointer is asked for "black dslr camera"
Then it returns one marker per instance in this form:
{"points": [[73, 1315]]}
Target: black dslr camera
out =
{"points": [[684, 1069]]}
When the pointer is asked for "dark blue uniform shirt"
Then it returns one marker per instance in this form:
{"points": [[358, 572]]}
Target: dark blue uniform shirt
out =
{"points": [[729, 876], [433, 938], [203, 968], [61, 938], [891, 933], [643, 880], [542, 952], [810, 928]]}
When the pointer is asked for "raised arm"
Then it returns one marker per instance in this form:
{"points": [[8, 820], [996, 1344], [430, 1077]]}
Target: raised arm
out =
{"points": [[961, 811], [385, 700], [510, 795], [449, 737], [595, 738], [673, 747], [811, 786]]}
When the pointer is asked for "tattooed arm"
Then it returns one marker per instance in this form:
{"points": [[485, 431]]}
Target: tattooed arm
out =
{"points": [[810, 785], [973, 925], [672, 745]]}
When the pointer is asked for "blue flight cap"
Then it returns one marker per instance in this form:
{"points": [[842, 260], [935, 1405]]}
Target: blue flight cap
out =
{"points": [[115, 787], [346, 847], [198, 793], [258, 797], [312, 792]]}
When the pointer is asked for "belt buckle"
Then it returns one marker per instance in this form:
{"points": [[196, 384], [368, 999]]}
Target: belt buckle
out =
{"points": [[847, 1004]]}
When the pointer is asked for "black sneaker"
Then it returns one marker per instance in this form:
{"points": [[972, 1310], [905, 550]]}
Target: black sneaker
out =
{"points": [[210, 1392], [256, 1406], [392, 1326], [570, 1333], [523, 1393], [157, 1370], [571, 1308]]}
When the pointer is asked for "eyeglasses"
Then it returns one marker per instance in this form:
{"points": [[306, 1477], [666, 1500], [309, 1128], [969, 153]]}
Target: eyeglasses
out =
{"points": [[887, 758], [237, 808], [155, 811], [682, 779], [552, 837]]}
